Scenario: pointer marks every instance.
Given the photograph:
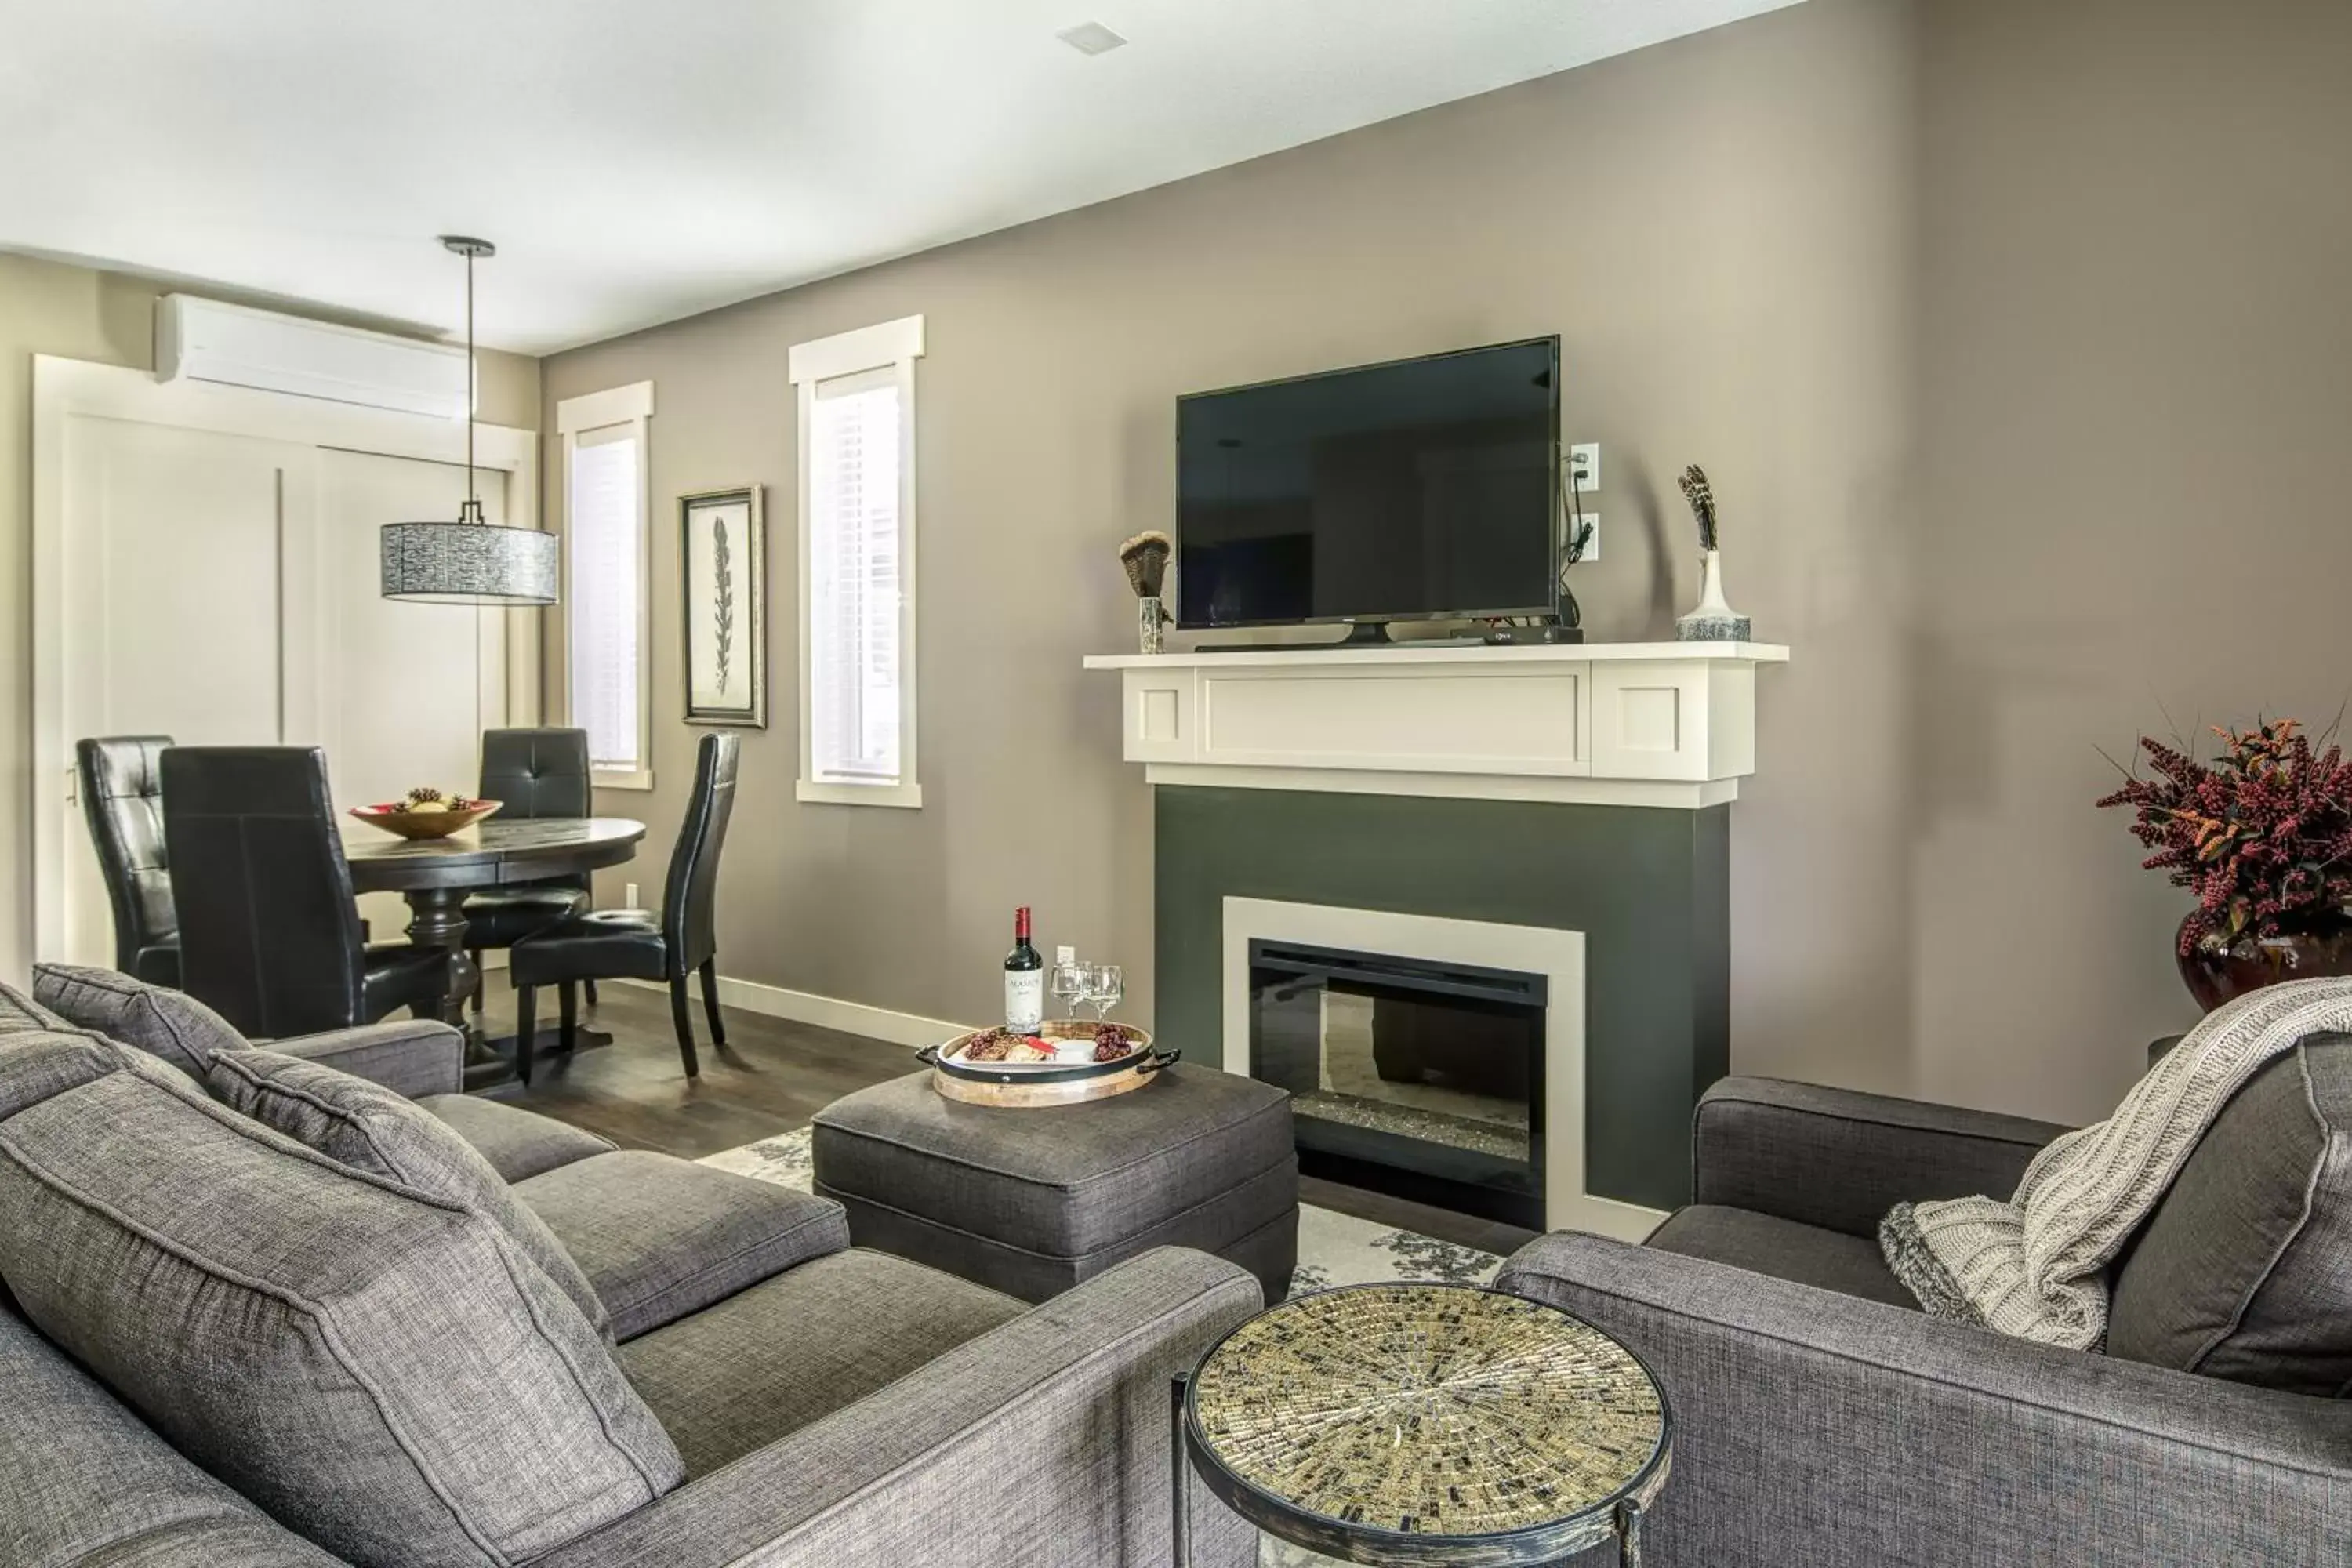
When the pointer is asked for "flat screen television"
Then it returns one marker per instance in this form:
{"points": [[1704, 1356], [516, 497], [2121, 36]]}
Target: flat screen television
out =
{"points": [[1419, 489]]}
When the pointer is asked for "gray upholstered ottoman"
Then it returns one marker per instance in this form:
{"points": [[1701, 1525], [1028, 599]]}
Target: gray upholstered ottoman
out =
{"points": [[1030, 1202]]}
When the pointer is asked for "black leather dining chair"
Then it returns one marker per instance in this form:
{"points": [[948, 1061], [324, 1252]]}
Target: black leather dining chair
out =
{"points": [[269, 936], [615, 944], [122, 783], [537, 773]]}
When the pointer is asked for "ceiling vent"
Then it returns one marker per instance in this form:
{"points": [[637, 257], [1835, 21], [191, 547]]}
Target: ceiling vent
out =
{"points": [[1090, 38]]}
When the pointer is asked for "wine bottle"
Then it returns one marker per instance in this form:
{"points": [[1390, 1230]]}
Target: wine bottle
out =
{"points": [[1024, 980]]}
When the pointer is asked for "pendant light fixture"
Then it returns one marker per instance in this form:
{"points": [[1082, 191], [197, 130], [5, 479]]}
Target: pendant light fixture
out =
{"points": [[470, 561]]}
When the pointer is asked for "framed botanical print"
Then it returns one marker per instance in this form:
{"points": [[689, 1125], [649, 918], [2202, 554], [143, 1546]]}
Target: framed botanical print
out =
{"points": [[723, 587]]}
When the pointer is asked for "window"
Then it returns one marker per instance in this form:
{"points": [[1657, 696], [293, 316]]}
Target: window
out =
{"points": [[857, 565], [605, 601]]}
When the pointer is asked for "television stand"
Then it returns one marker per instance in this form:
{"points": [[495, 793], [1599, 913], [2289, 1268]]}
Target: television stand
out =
{"points": [[1360, 634]]}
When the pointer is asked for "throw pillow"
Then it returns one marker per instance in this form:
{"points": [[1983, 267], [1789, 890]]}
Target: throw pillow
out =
{"points": [[39, 1064], [20, 1013], [373, 1129], [167, 1024], [2244, 1270]]}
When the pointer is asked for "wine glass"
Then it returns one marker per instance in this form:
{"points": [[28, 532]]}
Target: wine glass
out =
{"points": [[1104, 985], [1069, 987]]}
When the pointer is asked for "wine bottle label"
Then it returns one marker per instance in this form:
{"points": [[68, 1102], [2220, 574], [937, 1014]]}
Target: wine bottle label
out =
{"points": [[1024, 999]]}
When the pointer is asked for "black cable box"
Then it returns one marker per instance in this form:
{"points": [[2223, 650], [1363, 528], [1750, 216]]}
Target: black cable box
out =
{"points": [[1515, 637]]}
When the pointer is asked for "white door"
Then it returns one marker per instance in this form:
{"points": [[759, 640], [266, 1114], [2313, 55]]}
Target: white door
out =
{"points": [[175, 577], [407, 689], [205, 566]]}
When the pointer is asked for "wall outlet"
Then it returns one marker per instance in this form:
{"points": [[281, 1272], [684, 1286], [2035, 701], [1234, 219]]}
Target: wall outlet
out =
{"points": [[1585, 458], [1593, 549], [629, 894]]}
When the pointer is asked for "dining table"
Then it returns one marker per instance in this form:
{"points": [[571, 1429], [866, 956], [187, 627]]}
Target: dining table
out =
{"points": [[436, 875]]}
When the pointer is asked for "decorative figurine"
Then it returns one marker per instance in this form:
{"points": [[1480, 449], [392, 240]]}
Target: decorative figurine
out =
{"points": [[1146, 559], [1714, 620]]}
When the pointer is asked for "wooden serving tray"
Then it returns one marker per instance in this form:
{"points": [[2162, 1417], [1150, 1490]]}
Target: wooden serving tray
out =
{"points": [[1035, 1086]]}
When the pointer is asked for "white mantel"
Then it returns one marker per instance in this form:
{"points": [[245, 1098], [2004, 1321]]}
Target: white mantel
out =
{"points": [[1659, 724]]}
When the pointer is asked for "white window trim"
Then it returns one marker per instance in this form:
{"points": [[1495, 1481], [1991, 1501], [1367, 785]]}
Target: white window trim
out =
{"points": [[894, 346], [575, 416]]}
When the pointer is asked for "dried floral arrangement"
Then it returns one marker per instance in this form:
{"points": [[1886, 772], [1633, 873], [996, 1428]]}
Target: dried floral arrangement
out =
{"points": [[1701, 496], [2262, 833], [1146, 559]]}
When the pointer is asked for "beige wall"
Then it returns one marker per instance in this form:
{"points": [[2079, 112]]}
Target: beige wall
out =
{"points": [[76, 312], [2134, 393], [2017, 431], [1712, 309]]}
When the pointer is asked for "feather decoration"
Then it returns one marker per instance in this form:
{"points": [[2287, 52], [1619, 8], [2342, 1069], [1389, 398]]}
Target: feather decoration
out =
{"points": [[1701, 496], [1146, 559], [722, 586]]}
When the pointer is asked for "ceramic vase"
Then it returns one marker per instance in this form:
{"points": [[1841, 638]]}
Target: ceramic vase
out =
{"points": [[2215, 973], [1715, 620]]}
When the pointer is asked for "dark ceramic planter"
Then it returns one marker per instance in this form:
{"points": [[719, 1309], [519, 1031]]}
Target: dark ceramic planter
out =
{"points": [[2215, 974]]}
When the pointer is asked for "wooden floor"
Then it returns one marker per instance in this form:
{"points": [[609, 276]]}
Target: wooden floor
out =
{"points": [[772, 1074], [775, 1074]]}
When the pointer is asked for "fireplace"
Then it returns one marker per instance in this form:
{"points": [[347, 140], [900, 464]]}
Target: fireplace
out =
{"points": [[1420, 1077], [1556, 810]]}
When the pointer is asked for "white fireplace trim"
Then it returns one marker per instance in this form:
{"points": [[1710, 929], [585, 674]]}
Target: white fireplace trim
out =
{"points": [[1671, 725], [1661, 792], [1557, 955]]}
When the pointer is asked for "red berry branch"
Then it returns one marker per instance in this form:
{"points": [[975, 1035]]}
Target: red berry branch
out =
{"points": [[2262, 833]]}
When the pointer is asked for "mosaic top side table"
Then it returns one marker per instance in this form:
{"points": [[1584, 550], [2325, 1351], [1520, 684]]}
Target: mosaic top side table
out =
{"points": [[1427, 1426]]}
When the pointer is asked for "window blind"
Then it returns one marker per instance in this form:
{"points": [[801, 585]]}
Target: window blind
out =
{"points": [[855, 437], [606, 543]]}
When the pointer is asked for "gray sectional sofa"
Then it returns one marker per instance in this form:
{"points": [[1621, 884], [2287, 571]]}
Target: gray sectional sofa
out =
{"points": [[308, 1304]]}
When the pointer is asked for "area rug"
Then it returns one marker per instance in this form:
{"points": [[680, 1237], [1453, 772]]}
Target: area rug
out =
{"points": [[1333, 1249]]}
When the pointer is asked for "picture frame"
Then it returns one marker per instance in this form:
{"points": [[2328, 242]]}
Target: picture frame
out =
{"points": [[722, 573]]}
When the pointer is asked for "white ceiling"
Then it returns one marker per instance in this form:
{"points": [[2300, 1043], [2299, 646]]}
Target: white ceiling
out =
{"points": [[637, 161]]}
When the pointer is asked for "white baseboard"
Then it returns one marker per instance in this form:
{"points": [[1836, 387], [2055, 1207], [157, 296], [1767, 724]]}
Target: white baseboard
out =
{"points": [[911, 1029]]}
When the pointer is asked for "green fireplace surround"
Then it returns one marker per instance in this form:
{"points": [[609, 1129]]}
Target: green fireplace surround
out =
{"points": [[1647, 885]]}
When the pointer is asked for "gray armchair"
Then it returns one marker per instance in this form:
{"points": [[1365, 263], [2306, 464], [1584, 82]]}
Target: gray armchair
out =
{"points": [[1822, 1419]]}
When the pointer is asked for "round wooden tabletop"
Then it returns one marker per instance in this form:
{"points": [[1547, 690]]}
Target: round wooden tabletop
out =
{"points": [[1427, 1424], [490, 854]]}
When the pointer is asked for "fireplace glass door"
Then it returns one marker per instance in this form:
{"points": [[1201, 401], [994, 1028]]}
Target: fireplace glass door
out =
{"points": [[1417, 1078]]}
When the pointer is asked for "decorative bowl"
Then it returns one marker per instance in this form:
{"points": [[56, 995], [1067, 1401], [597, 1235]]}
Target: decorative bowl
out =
{"points": [[410, 823]]}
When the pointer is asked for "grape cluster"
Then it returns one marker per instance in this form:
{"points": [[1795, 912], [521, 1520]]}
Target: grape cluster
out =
{"points": [[990, 1046]]}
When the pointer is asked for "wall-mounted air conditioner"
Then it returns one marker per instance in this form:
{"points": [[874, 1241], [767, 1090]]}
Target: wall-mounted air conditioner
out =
{"points": [[204, 340]]}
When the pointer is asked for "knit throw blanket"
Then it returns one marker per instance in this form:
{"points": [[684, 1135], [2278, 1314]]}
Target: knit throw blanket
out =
{"points": [[2036, 1267]]}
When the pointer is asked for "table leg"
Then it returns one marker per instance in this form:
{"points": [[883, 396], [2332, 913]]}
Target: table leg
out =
{"points": [[1180, 1476], [1629, 1533], [436, 917]]}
